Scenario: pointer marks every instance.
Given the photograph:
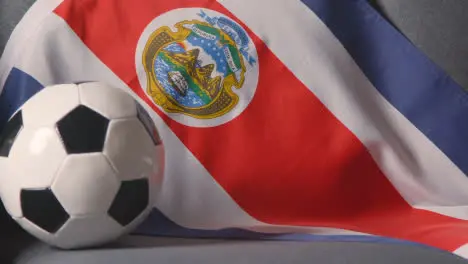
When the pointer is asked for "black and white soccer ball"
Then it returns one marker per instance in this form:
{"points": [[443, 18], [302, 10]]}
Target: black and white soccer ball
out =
{"points": [[80, 164]]}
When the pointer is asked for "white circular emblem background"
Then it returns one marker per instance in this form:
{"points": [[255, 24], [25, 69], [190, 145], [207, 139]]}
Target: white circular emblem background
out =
{"points": [[245, 93]]}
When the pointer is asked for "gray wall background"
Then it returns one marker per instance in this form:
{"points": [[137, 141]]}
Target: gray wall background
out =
{"points": [[11, 11], [438, 27]]}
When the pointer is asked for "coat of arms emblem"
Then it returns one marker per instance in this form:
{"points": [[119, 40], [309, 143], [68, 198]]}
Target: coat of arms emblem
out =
{"points": [[195, 69]]}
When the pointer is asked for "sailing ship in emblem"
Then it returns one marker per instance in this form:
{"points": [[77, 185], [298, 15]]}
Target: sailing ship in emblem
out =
{"points": [[178, 82]]}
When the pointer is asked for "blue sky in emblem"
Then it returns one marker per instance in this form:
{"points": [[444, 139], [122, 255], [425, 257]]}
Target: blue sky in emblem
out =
{"points": [[210, 47], [175, 48]]}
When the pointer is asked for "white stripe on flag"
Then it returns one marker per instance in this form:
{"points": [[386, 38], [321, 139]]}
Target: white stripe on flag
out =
{"points": [[462, 251], [423, 175], [25, 30], [189, 196]]}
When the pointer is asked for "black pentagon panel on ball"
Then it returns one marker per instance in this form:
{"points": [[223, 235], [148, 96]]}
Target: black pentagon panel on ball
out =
{"points": [[42, 208], [130, 201], [148, 123], [9, 133], [83, 130]]}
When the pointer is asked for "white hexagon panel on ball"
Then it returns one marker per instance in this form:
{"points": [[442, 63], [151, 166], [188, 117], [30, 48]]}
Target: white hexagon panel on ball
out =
{"points": [[86, 184], [50, 105], [108, 101]]}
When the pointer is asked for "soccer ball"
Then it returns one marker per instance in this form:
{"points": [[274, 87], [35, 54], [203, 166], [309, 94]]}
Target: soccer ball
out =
{"points": [[80, 164]]}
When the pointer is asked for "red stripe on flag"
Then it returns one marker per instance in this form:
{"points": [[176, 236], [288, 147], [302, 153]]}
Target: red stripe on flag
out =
{"points": [[286, 159]]}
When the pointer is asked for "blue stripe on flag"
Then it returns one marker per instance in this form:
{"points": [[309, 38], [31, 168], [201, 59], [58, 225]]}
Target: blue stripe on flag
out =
{"points": [[412, 83], [18, 88], [157, 224]]}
